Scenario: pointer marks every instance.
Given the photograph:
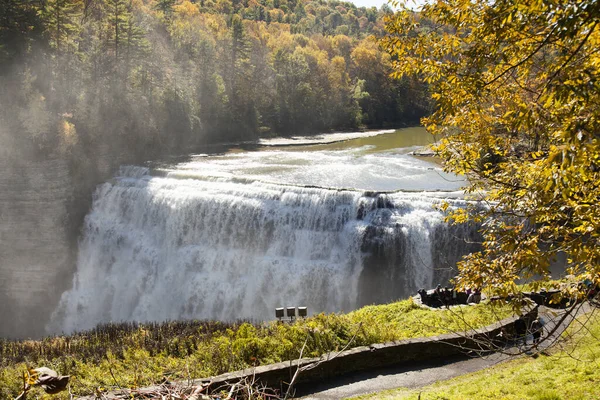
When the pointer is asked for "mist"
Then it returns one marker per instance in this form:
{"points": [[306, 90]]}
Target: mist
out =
{"points": [[89, 85]]}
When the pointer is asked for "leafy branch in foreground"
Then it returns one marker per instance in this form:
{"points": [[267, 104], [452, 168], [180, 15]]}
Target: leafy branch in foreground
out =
{"points": [[46, 378], [517, 87]]}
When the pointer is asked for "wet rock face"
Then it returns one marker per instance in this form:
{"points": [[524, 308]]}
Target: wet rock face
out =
{"points": [[385, 275], [453, 241], [36, 252], [402, 257], [43, 201]]}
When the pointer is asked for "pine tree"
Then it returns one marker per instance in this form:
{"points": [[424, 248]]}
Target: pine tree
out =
{"points": [[239, 49], [118, 16], [60, 19], [124, 38], [239, 87], [166, 6], [19, 25]]}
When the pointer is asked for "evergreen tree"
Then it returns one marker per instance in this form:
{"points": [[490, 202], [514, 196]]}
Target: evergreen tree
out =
{"points": [[166, 6], [299, 10], [124, 38], [117, 19], [135, 41], [239, 87], [61, 24], [19, 26]]}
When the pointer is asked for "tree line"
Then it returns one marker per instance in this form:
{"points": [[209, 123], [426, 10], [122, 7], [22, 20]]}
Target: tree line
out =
{"points": [[166, 76]]}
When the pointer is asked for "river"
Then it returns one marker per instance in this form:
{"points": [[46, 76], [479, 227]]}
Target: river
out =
{"points": [[293, 222]]}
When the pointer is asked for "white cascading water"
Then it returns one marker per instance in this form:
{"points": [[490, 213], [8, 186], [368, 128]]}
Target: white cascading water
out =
{"points": [[174, 244]]}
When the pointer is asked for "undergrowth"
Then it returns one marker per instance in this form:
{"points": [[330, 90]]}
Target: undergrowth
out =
{"points": [[130, 355]]}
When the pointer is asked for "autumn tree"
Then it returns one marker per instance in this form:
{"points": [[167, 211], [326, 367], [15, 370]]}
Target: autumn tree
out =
{"points": [[291, 71], [517, 90]]}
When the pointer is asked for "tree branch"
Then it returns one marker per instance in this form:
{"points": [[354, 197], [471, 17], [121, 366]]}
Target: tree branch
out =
{"points": [[568, 60], [524, 60]]}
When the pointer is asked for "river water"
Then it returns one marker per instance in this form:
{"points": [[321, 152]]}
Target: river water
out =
{"points": [[292, 223]]}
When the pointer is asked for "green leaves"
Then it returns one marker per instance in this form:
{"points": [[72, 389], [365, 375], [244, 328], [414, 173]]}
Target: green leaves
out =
{"points": [[61, 20]]}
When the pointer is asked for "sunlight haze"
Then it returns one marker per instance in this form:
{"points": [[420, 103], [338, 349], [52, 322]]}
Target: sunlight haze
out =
{"points": [[379, 3]]}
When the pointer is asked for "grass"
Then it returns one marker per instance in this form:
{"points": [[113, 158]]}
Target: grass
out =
{"points": [[570, 372], [134, 355]]}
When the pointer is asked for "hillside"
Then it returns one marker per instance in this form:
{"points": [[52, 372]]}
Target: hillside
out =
{"points": [[134, 355], [166, 76]]}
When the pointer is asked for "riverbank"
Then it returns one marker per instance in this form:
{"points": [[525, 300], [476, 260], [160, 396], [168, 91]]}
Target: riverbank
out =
{"points": [[131, 355]]}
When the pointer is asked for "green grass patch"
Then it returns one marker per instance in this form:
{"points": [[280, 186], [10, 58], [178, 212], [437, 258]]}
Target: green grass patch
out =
{"points": [[570, 372], [134, 355]]}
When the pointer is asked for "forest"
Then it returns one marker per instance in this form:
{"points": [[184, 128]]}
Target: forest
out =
{"points": [[80, 78]]}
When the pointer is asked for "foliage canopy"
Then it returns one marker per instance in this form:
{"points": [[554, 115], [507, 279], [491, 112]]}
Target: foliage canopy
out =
{"points": [[173, 75], [518, 98]]}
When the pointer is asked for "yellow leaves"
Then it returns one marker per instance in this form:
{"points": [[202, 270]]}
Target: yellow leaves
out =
{"points": [[31, 376], [538, 116], [507, 19], [338, 75], [67, 132], [458, 216], [365, 54], [550, 101], [186, 9], [444, 206], [508, 114], [535, 155]]}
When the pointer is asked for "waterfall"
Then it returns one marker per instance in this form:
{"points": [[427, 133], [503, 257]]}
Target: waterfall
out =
{"points": [[163, 246]]}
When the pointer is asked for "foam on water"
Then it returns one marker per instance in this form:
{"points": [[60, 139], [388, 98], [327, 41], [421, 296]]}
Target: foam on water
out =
{"points": [[321, 139], [353, 169]]}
